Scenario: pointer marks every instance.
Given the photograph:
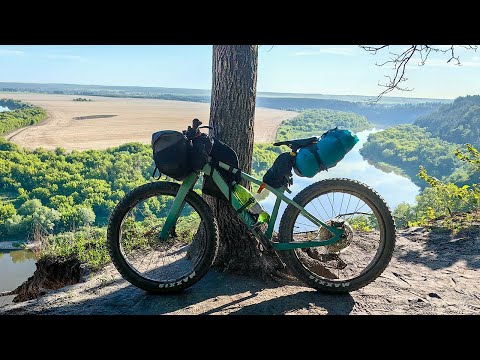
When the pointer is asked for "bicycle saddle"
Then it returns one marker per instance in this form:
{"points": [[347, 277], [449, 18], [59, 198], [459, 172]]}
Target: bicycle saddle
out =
{"points": [[298, 143]]}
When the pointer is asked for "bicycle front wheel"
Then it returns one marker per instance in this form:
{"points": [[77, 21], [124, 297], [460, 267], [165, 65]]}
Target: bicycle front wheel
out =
{"points": [[146, 260], [365, 248]]}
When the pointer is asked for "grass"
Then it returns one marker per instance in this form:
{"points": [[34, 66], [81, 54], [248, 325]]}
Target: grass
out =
{"points": [[88, 244], [468, 222]]}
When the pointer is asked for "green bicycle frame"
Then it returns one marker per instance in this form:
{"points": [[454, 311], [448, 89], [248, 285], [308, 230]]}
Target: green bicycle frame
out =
{"points": [[190, 181]]}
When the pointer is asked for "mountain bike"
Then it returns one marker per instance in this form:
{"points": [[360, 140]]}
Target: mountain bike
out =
{"points": [[336, 235]]}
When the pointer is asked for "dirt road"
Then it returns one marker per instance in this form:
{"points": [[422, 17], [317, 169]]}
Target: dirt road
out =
{"points": [[106, 122]]}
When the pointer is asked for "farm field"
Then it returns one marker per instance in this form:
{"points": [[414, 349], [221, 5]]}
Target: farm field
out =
{"points": [[107, 122]]}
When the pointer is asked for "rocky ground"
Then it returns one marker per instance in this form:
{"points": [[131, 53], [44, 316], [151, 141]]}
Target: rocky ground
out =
{"points": [[432, 272]]}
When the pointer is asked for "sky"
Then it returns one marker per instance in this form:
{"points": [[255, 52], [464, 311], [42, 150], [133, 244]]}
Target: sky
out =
{"points": [[319, 69]]}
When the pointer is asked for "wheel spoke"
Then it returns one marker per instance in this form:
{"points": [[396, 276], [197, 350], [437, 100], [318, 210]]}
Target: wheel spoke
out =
{"points": [[331, 204], [162, 260], [318, 199], [340, 211], [320, 216], [352, 255]]}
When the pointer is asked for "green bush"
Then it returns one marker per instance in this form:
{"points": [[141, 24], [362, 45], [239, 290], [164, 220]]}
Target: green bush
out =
{"points": [[21, 115], [442, 198]]}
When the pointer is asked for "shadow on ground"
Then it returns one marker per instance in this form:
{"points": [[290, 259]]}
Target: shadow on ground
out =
{"points": [[443, 249], [216, 293]]}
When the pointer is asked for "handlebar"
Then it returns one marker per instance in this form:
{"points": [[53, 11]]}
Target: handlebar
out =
{"points": [[194, 130]]}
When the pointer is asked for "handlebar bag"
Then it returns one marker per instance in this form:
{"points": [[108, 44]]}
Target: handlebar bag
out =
{"points": [[171, 153], [326, 153]]}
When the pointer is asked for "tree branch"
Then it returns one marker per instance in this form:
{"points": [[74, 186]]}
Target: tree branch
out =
{"points": [[399, 61]]}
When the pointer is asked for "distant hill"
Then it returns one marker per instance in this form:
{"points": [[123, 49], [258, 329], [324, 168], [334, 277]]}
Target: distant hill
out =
{"points": [[458, 122], [198, 93], [390, 111], [314, 122], [382, 115]]}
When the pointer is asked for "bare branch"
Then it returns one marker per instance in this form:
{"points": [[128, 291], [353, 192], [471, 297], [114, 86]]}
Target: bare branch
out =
{"points": [[399, 62], [373, 49]]}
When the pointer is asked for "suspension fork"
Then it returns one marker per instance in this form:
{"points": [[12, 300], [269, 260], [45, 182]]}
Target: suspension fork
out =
{"points": [[178, 205]]}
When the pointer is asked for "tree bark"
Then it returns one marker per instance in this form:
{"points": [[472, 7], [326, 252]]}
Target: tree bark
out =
{"points": [[232, 113]]}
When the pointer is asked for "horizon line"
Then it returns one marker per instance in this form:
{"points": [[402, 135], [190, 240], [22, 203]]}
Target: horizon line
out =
{"points": [[265, 92]]}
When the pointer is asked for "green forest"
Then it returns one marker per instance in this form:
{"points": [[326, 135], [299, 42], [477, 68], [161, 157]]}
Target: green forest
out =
{"points": [[447, 173], [317, 121], [382, 115], [432, 143], [458, 122], [21, 115], [439, 154], [80, 187], [405, 148]]}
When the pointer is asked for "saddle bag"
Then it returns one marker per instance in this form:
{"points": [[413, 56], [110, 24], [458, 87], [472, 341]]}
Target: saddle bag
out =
{"points": [[332, 147]]}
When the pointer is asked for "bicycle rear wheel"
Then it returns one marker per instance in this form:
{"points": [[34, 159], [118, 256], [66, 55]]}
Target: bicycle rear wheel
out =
{"points": [[156, 265], [363, 252]]}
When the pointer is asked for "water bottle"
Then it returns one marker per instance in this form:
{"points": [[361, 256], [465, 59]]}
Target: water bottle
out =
{"points": [[250, 204]]}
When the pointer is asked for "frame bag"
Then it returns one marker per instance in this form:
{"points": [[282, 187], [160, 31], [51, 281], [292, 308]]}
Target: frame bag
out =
{"points": [[224, 153]]}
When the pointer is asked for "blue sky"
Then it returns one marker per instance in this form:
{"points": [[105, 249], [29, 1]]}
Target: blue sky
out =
{"points": [[326, 69]]}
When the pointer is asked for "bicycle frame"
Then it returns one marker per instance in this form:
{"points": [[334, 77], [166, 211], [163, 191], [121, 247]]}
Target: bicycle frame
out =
{"points": [[192, 179]]}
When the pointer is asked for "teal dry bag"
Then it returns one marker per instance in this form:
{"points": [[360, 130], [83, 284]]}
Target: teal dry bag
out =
{"points": [[326, 153]]}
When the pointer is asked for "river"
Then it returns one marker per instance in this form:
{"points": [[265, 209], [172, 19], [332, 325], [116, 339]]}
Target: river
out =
{"points": [[15, 267], [392, 187], [3, 108]]}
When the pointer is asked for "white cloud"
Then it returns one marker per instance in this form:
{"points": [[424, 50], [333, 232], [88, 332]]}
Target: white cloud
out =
{"points": [[10, 52], [321, 49], [443, 63], [470, 63], [64, 57]]}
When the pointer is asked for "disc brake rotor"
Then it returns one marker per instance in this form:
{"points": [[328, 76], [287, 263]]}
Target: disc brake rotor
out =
{"points": [[345, 240]]}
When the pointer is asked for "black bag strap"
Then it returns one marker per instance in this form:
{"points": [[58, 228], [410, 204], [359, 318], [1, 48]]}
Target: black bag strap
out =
{"points": [[320, 163], [244, 206], [329, 131]]}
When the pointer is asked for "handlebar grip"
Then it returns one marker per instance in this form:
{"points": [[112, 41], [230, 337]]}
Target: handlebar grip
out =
{"points": [[196, 123]]}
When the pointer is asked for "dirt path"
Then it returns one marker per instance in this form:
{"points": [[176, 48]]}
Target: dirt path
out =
{"points": [[106, 122], [430, 273]]}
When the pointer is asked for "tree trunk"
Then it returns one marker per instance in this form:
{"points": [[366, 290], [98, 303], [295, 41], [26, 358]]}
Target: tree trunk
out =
{"points": [[232, 113]]}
